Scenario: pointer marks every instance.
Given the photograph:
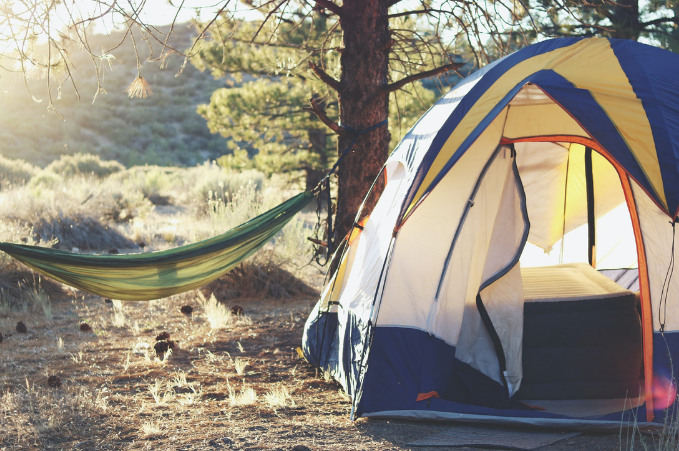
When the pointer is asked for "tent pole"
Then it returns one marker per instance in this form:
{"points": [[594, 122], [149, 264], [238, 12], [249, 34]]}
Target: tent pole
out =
{"points": [[591, 220]]}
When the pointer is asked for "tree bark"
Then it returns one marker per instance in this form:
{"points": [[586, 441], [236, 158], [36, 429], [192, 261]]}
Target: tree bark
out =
{"points": [[625, 20], [363, 102], [318, 145]]}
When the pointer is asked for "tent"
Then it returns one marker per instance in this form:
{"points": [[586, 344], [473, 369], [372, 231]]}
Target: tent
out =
{"points": [[518, 265]]}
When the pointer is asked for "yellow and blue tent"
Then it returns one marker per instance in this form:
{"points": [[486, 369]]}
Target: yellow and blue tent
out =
{"points": [[518, 266]]}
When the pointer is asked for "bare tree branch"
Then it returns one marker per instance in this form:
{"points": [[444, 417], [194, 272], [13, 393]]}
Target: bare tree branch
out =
{"points": [[92, 19], [325, 78], [674, 19], [318, 111], [426, 74], [418, 11], [330, 6]]}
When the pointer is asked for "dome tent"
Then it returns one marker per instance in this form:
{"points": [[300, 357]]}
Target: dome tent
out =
{"points": [[570, 146]]}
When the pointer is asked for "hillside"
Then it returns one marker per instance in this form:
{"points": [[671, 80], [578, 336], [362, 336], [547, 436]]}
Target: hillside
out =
{"points": [[163, 128]]}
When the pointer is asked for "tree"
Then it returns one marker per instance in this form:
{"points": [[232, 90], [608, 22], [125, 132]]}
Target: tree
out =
{"points": [[262, 113], [356, 55], [655, 20], [364, 54], [270, 115]]}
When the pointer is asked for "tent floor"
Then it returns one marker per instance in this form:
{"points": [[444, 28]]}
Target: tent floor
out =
{"points": [[581, 408]]}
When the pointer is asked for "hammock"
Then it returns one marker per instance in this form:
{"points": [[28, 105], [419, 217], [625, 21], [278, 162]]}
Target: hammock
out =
{"points": [[143, 277]]}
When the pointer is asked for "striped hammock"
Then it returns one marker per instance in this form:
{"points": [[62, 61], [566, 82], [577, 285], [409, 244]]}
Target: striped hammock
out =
{"points": [[143, 277]]}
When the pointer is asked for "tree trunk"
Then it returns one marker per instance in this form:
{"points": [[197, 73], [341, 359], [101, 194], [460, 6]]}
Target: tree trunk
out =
{"points": [[363, 103], [313, 177], [318, 144], [625, 19]]}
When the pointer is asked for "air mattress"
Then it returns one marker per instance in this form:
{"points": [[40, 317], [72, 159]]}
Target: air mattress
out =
{"points": [[582, 335]]}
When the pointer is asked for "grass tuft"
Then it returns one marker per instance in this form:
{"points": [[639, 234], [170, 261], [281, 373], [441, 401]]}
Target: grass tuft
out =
{"points": [[119, 319], [150, 429], [279, 398], [218, 315], [247, 396], [240, 365]]}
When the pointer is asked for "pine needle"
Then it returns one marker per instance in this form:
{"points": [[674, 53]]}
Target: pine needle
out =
{"points": [[139, 88]]}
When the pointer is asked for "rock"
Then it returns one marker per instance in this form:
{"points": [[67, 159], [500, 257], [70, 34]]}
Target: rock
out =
{"points": [[237, 310], [21, 328], [187, 310], [54, 381], [227, 441], [75, 250], [84, 327], [0, 337]]}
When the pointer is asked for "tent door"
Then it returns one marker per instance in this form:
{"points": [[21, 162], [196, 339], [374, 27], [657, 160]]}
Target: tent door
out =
{"points": [[483, 262]]}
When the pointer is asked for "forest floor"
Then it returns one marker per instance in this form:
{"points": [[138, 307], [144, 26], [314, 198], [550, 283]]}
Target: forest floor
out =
{"points": [[244, 387]]}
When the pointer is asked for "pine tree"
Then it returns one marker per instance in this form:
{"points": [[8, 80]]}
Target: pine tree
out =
{"points": [[267, 119], [316, 77], [655, 20]]}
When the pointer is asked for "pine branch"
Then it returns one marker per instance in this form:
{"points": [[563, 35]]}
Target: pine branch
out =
{"points": [[330, 5], [426, 74], [318, 111], [325, 78], [418, 11], [660, 20]]}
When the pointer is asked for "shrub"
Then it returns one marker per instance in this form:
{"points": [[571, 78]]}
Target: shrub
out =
{"points": [[15, 172], [73, 216], [152, 182], [85, 233], [260, 276], [208, 181], [83, 164]]}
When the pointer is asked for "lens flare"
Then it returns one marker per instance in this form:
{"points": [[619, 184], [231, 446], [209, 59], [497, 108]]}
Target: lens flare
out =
{"points": [[664, 392]]}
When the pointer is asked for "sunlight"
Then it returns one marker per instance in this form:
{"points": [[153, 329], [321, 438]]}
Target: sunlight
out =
{"points": [[616, 247]]}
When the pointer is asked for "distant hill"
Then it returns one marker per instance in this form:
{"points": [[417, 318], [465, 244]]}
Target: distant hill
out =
{"points": [[163, 128]]}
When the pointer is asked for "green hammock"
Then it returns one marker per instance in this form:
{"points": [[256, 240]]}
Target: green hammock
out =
{"points": [[142, 277]]}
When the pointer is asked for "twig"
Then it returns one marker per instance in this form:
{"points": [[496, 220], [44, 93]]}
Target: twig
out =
{"points": [[318, 111], [325, 78], [330, 5], [426, 74]]}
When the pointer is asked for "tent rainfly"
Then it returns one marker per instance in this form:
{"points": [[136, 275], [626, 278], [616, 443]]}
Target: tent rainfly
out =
{"points": [[518, 266]]}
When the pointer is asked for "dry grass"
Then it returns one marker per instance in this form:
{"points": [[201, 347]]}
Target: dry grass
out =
{"points": [[116, 395], [279, 398], [247, 396], [239, 365], [112, 382], [262, 276], [118, 314], [218, 315], [150, 429]]}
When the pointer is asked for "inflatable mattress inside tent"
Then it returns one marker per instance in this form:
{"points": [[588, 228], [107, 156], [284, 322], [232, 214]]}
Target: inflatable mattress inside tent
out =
{"points": [[518, 266]]}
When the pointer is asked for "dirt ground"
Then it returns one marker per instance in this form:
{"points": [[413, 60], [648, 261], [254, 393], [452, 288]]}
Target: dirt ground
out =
{"points": [[114, 394]]}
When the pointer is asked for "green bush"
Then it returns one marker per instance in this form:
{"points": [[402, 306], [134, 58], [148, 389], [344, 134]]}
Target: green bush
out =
{"points": [[83, 164], [46, 179], [15, 172]]}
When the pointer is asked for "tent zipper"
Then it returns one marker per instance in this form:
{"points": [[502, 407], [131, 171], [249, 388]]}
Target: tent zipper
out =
{"points": [[470, 203]]}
